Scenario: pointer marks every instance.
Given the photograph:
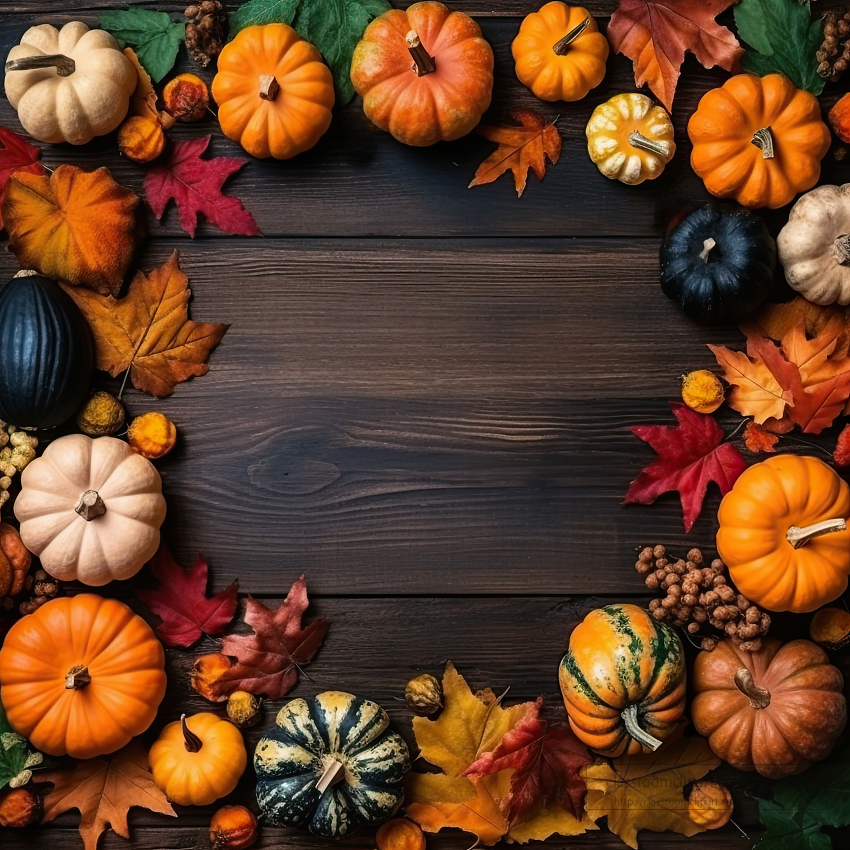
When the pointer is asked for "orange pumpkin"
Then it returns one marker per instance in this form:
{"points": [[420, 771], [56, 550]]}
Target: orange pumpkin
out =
{"points": [[775, 711], [425, 74], [783, 533], [758, 140], [273, 91], [81, 676]]}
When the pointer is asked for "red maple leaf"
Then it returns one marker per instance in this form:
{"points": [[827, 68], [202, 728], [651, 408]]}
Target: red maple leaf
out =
{"points": [[16, 154], [194, 184], [842, 447], [690, 455], [547, 760], [268, 660], [181, 603]]}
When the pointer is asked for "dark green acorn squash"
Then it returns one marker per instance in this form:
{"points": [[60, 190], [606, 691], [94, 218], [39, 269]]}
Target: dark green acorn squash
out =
{"points": [[717, 264], [45, 353], [331, 764]]}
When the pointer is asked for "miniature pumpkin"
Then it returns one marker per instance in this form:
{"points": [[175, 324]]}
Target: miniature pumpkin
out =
{"points": [[90, 509], [630, 139], [775, 711], [273, 91], [425, 74], [559, 52], [783, 533], [623, 680], [199, 759], [69, 85], [81, 676], [717, 264], [814, 246], [45, 353], [332, 764], [758, 140]]}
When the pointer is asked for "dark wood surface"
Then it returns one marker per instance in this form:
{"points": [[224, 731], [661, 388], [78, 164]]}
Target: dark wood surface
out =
{"points": [[423, 403]]}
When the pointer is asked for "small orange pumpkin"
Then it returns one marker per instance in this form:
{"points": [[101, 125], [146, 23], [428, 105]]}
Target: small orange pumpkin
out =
{"points": [[758, 140], [783, 533], [81, 676], [425, 74], [273, 91]]}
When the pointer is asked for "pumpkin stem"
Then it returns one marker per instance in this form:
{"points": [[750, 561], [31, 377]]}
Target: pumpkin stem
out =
{"points": [[707, 247], [191, 741], [333, 773], [841, 250], [269, 87], [763, 139], [562, 46], [90, 506], [759, 697], [638, 140], [797, 537], [78, 677], [423, 62], [64, 65], [633, 728]]}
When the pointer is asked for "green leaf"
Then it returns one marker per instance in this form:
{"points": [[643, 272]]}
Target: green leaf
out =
{"points": [[17, 758], [153, 35], [783, 39], [334, 27]]}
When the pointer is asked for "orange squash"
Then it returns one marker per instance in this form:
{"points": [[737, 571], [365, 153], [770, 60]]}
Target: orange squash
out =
{"points": [[81, 676], [559, 52], [783, 533], [273, 91], [775, 711], [758, 140], [425, 74]]}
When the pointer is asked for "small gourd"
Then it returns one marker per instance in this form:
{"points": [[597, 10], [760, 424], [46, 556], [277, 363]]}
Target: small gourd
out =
{"points": [[198, 760], [331, 764], [559, 52], [69, 85], [630, 139]]}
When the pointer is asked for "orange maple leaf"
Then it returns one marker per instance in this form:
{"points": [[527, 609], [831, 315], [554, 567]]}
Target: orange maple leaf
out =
{"points": [[758, 439], [655, 34], [520, 148]]}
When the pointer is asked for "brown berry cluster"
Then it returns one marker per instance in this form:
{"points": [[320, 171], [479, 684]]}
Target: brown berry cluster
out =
{"points": [[834, 53], [206, 30], [42, 588], [698, 596]]}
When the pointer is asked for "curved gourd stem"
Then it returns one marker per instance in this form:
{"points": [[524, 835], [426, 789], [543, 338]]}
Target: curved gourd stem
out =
{"points": [[90, 506], [759, 697], [841, 250], [633, 728], [798, 537], [78, 677], [333, 773], [64, 65], [423, 62], [638, 140], [707, 246], [763, 139], [562, 46], [269, 87], [191, 741]]}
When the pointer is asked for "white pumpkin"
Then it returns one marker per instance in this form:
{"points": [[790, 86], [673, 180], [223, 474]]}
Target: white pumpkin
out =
{"points": [[69, 85], [90, 509], [814, 246]]}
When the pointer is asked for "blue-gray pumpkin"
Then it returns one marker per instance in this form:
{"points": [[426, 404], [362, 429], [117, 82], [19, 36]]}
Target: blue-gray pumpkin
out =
{"points": [[331, 764], [45, 353]]}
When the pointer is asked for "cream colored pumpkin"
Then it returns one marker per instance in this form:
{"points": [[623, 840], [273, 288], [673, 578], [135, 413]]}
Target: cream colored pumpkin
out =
{"points": [[90, 509], [814, 246], [81, 89]]}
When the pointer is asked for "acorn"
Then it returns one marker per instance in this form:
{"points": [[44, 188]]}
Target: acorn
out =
{"points": [[424, 695]]}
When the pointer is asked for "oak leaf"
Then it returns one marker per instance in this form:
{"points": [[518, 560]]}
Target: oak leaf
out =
{"points": [[16, 154], [268, 661], [149, 331], [74, 226], [181, 603], [758, 439], [841, 455], [645, 791], [655, 34], [690, 456], [104, 790], [194, 184], [520, 148]]}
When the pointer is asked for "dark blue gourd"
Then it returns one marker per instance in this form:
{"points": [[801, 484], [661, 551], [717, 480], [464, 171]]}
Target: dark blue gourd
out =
{"points": [[718, 263], [45, 353]]}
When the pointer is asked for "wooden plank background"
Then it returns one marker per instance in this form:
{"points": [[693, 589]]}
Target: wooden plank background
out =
{"points": [[423, 401]]}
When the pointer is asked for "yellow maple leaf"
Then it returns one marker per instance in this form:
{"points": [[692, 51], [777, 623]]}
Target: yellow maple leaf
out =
{"points": [[645, 791], [546, 821]]}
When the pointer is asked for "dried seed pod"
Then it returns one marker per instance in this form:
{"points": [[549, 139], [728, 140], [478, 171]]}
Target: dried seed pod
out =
{"points": [[101, 415], [400, 834], [206, 30], [20, 808], [244, 709], [702, 392], [186, 97], [152, 435], [424, 695], [710, 805], [141, 139], [233, 828], [206, 672], [830, 627]]}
